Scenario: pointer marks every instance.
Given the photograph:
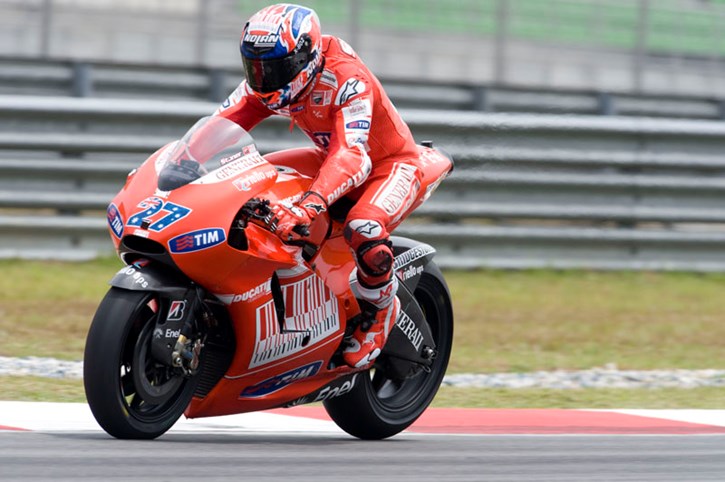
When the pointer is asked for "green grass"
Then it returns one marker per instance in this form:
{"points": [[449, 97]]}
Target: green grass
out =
{"points": [[671, 27], [37, 389], [543, 320], [666, 398], [46, 307], [54, 390], [505, 321]]}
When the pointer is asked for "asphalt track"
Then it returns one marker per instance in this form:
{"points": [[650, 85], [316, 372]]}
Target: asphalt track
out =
{"points": [[38, 443]]}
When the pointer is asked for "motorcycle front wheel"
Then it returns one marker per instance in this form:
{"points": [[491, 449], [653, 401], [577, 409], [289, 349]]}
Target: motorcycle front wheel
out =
{"points": [[378, 407], [131, 395]]}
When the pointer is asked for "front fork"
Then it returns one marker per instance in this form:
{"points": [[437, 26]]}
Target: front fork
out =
{"points": [[177, 339]]}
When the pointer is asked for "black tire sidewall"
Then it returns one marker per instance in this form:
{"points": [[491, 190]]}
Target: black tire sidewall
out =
{"points": [[108, 336], [361, 414]]}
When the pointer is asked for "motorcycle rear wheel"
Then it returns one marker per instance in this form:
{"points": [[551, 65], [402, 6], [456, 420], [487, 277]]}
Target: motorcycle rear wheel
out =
{"points": [[378, 407], [131, 395]]}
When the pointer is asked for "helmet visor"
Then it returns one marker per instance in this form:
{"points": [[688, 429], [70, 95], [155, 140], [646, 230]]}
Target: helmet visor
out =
{"points": [[268, 75]]}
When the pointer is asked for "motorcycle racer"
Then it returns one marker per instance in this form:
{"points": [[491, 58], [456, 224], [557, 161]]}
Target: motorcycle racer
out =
{"points": [[366, 152]]}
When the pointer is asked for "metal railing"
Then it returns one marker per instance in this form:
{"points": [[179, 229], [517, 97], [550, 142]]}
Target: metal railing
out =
{"points": [[528, 190], [613, 45], [179, 83]]}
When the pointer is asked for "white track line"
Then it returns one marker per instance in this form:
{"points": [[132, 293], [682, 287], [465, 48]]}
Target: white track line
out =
{"points": [[704, 417], [53, 417]]}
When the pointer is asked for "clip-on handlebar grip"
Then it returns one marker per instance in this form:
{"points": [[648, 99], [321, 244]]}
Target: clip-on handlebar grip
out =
{"points": [[302, 230]]}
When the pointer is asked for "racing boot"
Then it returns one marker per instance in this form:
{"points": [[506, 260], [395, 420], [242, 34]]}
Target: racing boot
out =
{"points": [[369, 337]]}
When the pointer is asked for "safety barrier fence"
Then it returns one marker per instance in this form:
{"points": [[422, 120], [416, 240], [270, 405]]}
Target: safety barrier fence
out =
{"points": [[98, 79], [623, 45], [528, 190]]}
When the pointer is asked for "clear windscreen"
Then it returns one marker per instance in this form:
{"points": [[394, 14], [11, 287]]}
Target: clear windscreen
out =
{"points": [[212, 142]]}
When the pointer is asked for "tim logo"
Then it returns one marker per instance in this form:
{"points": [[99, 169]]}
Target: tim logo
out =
{"points": [[197, 240], [322, 139], [358, 124], [274, 384], [176, 311], [114, 221]]}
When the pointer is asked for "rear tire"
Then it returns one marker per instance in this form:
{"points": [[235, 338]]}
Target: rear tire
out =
{"points": [[378, 407], [131, 395]]}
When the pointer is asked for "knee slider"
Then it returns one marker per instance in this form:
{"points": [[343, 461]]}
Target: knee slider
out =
{"points": [[375, 258], [372, 250]]}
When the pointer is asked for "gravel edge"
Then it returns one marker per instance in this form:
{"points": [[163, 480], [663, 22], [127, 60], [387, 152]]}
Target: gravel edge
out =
{"points": [[605, 377]]}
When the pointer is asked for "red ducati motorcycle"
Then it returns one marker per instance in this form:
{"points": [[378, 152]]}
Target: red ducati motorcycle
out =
{"points": [[214, 315]]}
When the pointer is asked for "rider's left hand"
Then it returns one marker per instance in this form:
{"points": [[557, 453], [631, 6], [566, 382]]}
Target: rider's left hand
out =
{"points": [[286, 216]]}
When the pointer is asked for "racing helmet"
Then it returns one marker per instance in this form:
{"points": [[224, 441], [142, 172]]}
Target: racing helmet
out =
{"points": [[281, 48]]}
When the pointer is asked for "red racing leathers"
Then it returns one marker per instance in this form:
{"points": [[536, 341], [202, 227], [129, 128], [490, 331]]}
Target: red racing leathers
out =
{"points": [[366, 151]]}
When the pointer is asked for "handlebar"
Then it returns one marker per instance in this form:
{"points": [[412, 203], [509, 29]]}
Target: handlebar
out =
{"points": [[259, 211], [302, 229]]}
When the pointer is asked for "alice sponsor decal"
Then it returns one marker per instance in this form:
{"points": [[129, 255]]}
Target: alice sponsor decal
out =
{"points": [[197, 240], [278, 382], [114, 220]]}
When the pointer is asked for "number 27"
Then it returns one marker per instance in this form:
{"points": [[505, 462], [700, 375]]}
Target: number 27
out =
{"points": [[151, 207]]}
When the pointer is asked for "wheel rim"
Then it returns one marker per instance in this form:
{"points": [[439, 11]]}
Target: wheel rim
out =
{"points": [[148, 389], [396, 396]]}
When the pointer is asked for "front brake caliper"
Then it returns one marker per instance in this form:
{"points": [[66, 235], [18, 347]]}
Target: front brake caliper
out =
{"points": [[173, 341]]}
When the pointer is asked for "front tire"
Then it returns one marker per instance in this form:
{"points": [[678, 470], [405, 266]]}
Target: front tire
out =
{"points": [[379, 407], [131, 395]]}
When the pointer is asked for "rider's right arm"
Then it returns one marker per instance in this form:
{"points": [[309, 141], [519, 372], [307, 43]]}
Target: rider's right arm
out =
{"points": [[243, 108]]}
